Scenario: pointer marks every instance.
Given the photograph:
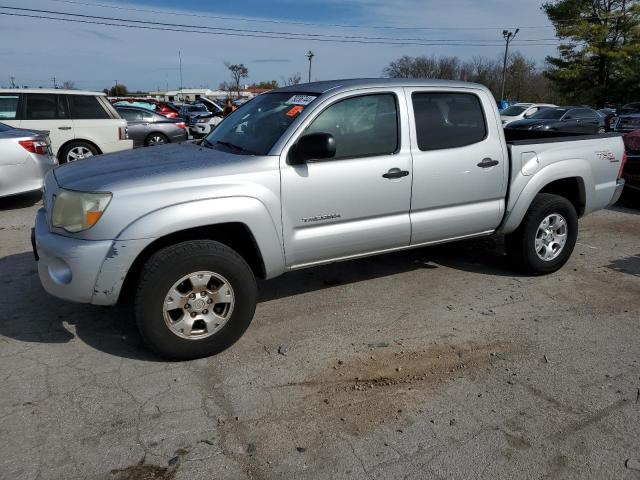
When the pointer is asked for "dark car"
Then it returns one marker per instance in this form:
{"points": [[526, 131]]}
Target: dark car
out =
{"points": [[573, 120], [629, 118], [631, 171], [147, 128], [610, 118], [192, 111]]}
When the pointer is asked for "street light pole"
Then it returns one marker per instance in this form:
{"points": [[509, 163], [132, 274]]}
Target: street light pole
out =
{"points": [[310, 56], [508, 37], [180, 62]]}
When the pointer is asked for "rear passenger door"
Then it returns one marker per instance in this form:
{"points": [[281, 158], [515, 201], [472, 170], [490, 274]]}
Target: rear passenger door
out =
{"points": [[48, 111], [138, 128], [459, 165], [588, 121]]}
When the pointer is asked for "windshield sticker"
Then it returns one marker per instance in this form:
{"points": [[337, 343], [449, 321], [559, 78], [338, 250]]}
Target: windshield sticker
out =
{"points": [[295, 110], [301, 100]]}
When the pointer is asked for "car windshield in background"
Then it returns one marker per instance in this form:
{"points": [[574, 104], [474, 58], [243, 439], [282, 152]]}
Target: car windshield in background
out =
{"points": [[197, 108], [549, 114], [4, 128], [630, 108], [256, 126], [513, 111]]}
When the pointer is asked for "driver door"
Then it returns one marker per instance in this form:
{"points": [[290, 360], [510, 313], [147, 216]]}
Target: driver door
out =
{"points": [[349, 205]]}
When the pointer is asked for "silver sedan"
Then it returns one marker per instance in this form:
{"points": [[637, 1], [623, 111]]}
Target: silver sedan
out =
{"points": [[25, 158]]}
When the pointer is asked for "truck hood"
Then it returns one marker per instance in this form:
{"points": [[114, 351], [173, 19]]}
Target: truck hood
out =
{"points": [[151, 166]]}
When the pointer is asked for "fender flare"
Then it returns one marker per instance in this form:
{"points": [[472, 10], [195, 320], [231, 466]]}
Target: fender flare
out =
{"points": [[574, 168]]}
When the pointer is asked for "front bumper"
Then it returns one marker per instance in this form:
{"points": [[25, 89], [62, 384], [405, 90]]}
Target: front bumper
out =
{"points": [[618, 191], [67, 267]]}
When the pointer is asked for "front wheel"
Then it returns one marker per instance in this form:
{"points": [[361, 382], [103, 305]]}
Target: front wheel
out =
{"points": [[546, 237], [194, 299], [155, 139], [77, 151]]}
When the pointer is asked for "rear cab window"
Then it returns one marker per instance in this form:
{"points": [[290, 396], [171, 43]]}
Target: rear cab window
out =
{"points": [[448, 120]]}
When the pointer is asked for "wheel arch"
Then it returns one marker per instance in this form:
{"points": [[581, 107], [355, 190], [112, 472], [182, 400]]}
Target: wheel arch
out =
{"points": [[235, 235]]}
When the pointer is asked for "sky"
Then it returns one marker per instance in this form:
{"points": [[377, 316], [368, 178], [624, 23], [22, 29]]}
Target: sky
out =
{"points": [[95, 56]]}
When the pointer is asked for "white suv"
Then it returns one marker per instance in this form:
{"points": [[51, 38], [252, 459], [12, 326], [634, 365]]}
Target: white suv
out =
{"points": [[80, 124]]}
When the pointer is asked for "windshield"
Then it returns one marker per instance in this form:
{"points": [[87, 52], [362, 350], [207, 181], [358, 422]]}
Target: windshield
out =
{"points": [[256, 126], [549, 114], [4, 128], [631, 108], [513, 111], [197, 108]]}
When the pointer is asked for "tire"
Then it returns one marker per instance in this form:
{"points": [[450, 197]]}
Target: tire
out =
{"points": [[76, 151], [155, 138], [531, 240], [159, 315]]}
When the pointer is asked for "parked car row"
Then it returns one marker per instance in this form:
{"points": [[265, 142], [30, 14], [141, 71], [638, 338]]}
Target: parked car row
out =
{"points": [[572, 120]]}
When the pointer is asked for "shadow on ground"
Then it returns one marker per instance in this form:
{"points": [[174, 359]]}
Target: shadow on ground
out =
{"points": [[31, 315], [24, 200], [629, 265]]}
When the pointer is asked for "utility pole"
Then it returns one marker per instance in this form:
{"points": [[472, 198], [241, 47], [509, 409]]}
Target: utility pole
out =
{"points": [[310, 56], [180, 65], [508, 37], [13, 81], [53, 79]]}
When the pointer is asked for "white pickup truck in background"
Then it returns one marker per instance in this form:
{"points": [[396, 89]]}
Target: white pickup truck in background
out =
{"points": [[307, 175]]}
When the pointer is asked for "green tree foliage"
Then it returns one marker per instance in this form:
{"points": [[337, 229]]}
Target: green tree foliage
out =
{"points": [[600, 62], [118, 91]]}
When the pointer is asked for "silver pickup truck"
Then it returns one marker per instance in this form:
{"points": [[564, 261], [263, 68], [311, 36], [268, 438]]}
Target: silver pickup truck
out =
{"points": [[302, 176]]}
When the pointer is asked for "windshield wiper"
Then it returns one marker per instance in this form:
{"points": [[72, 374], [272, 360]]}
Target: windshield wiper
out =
{"points": [[230, 145], [206, 143]]}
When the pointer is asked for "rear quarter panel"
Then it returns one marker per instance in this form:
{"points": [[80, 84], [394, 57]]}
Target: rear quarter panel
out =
{"points": [[594, 161]]}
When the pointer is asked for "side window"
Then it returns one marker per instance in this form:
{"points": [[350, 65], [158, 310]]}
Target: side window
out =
{"points": [[570, 115], [44, 106], [584, 113], [448, 120], [131, 115], [363, 126], [86, 107], [9, 106]]}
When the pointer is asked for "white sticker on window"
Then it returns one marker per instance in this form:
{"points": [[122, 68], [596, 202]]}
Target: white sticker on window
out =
{"points": [[301, 100]]}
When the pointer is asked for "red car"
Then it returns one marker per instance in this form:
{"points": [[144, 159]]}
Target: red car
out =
{"points": [[163, 108], [632, 168]]}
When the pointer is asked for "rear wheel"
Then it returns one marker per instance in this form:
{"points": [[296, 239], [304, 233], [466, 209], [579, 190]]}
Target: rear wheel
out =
{"points": [[194, 299], [76, 151], [155, 139], [546, 237]]}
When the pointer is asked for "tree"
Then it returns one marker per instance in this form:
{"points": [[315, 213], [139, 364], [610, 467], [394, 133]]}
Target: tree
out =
{"points": [[271, 84], [599, 61], [238, 72], [69, 85], [294, 79], [118, 91], [524, 79]]}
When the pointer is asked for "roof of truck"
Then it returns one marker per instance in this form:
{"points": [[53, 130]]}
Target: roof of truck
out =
{"points": [[352, 83]]}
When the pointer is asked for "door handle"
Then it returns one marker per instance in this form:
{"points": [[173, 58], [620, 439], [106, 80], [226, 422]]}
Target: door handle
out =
{"points": [[64, 128], [396, 173], [488, 162]]}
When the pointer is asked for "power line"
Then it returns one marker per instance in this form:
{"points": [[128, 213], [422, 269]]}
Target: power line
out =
{"points": [[246, 33], [282, 22], [263, 32]]}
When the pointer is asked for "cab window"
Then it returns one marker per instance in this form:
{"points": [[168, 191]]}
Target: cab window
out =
{"points": [[448, 120], [363, 126]]}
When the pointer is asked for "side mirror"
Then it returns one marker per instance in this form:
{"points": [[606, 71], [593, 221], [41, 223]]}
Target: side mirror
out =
{"points": [[314, 146]]}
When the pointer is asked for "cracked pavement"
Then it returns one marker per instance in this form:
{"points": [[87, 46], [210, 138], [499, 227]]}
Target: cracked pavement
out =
{"points": [[433, 363]]}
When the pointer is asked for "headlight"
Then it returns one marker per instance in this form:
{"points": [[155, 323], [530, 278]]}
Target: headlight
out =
{"points": [[78, 211]]}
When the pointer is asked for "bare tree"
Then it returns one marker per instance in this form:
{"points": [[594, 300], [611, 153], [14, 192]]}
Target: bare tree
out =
{"points": [[294, 79], [68, 85], [238, 72]]}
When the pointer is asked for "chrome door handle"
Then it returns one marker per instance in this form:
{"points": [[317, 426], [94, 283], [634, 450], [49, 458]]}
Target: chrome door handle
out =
{"points": [[488, 162], [64, 128], [396, 173]]}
